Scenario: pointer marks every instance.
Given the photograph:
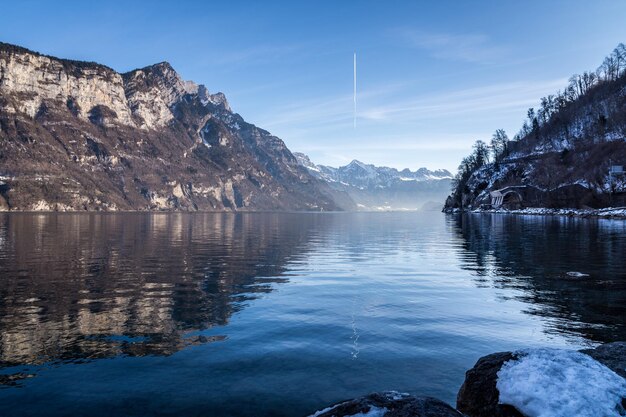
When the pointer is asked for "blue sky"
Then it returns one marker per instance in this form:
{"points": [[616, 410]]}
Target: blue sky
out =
{"points": [[432, 76]]}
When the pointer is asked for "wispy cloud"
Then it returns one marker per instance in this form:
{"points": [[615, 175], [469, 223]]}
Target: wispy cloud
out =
{"points": [[470, 47], [487, 99], [390, 142], [326, 111], [401, 151], [332, 113]]}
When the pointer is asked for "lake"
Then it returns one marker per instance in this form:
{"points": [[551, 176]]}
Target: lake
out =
{"points": [[280, 314]]}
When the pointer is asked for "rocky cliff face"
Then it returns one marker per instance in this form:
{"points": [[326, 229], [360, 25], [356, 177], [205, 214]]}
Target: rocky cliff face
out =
{"points": [[27, 80], [80, 136], [383, 188]]}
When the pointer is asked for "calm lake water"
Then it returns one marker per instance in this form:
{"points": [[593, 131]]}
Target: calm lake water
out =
{"points": [[283, 314]]}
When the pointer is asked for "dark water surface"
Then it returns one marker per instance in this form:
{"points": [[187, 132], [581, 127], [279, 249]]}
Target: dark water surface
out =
{"points": [[282, 314]]}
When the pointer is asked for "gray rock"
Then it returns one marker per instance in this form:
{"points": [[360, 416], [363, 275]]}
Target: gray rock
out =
{"points": [[611, 355], [396, 405], [478, 396]]}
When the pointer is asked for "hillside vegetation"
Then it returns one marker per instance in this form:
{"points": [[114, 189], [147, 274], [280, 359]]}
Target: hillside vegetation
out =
{"points": [[563, 151]]}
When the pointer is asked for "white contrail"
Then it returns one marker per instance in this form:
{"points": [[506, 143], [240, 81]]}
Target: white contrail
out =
{"points": [[355, 90]]}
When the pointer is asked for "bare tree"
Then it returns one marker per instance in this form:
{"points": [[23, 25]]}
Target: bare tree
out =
{"points": [[620, 58], [609, 68], [481, 153], [499, 144]]}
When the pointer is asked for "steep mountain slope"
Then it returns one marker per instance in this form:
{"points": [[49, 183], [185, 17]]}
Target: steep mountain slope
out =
{"points": [[80, 136], [563, 155], [383, 188]]}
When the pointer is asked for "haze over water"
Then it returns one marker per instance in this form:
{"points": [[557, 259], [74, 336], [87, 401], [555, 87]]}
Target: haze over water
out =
{"points": [[285, 313]]}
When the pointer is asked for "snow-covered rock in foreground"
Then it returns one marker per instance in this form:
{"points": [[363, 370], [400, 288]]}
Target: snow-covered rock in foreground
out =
{"points": [[560, 383], [547, 383]]}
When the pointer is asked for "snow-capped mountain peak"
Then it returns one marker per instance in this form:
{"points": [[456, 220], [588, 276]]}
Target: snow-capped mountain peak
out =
{"points": [[360, 174], [381, 183]]}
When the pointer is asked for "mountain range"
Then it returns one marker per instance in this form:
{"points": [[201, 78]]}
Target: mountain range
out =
{"points": [[383, 188], [80, 136]]}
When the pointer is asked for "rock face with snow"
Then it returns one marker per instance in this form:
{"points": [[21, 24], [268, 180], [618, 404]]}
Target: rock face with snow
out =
{"points": [[80, 136], [390, 404], [565, 150], [547, 382], [373, 187]]}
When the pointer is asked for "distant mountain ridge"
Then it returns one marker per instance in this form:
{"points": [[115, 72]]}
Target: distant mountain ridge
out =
{"points": [[359, 174], [81, 136], [383, 188]]}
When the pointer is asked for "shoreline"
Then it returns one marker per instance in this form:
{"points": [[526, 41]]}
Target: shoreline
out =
{"points": [[618, 213]]}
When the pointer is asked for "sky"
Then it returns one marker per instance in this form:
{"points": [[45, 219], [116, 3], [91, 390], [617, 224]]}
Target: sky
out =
{"points": [[432, 78]]}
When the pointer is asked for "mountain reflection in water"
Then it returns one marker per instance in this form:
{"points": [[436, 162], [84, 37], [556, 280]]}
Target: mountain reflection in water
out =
{"points": [[92, 286]]}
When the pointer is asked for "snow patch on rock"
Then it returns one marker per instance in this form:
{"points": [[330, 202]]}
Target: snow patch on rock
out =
{"points": [[560, 383], [373, 412], [324, 410], [576, 274]]}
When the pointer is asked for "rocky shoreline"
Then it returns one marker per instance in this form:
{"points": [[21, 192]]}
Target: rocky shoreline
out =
{"points": [[607, 213], [526, 383]]}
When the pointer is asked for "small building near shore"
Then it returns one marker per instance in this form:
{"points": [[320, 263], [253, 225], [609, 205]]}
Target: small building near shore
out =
{"points": [[516, 197], [506, 198]]}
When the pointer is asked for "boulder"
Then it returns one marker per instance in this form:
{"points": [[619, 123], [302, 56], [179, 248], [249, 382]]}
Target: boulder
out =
{"points": [[479, 397], [390, 404]]}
